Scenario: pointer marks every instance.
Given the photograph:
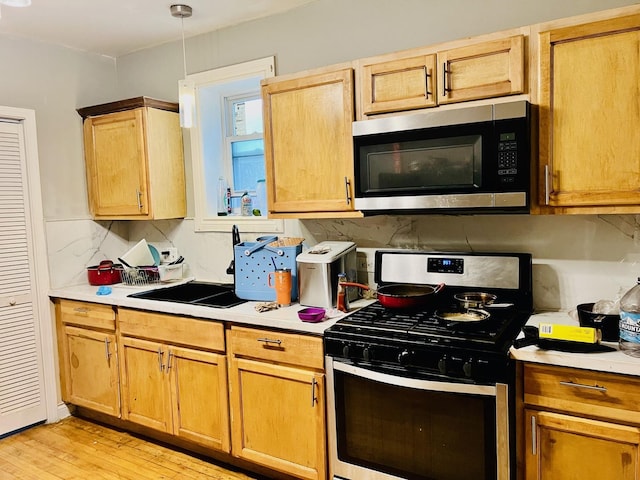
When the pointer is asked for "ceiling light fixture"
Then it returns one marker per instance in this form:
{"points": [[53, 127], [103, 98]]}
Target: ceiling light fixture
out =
{"points": [[16, 3], [185, 98]]}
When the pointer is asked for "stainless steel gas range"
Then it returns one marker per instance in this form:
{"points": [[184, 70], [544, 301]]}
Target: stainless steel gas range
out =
{"points": [[428, 392]]}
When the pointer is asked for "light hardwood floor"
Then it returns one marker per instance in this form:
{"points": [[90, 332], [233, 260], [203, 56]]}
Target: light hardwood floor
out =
{"points": [[77, 449]]}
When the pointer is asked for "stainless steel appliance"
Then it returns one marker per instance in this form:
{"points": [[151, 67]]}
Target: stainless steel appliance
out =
{"points": [[428, 393], [467, 160], [318, 270]]}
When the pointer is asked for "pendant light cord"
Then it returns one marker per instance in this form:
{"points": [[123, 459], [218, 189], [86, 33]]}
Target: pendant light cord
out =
{"points": [[184, 50]]}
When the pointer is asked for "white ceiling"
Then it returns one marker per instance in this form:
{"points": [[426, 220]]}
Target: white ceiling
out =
{"points": [[118, 27]]}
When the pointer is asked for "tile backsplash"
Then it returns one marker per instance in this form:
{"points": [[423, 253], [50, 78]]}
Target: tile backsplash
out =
{"points": [[577, 259]]}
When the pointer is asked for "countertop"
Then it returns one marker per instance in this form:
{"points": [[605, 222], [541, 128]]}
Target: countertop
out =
{"points": [[285, 318], [613, 362]]}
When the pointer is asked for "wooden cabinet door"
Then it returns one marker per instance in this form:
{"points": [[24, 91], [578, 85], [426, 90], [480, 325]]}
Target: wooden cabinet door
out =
{"points": [[115, 153], [308, 143], [200, 397], [589, 115], [488, 69], [90, 367], [398, 85], [563, 447], [146, 394], [278, 417]]}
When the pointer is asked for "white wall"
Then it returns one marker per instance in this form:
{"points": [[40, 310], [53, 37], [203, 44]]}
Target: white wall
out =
{"points": [[54, 81]]}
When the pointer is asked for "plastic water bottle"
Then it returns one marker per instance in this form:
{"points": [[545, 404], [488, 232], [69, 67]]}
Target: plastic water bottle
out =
{"points": [[222, 196], [630, 322], [261, 197]]}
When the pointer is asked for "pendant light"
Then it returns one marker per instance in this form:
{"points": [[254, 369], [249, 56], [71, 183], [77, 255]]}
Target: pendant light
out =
{"points": [[186, 98], [15, 3]]}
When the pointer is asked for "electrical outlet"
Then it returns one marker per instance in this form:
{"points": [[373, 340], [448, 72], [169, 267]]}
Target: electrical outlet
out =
{"points": [[168, 255]]}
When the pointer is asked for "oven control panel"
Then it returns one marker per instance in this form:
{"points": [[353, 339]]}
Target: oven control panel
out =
{"points": [[445, 265]]}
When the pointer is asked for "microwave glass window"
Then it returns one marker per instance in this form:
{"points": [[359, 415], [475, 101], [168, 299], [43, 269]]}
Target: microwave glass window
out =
{"points": [[415, 434], [448, 163]]}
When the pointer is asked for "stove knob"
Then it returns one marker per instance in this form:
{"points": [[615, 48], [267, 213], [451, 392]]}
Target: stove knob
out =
{"points": [[367, 354], [345, 350], [442, 365], [404, 357], [467, 368]]}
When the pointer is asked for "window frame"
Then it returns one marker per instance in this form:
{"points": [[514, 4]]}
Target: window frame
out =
{"points": [[203, 222]]}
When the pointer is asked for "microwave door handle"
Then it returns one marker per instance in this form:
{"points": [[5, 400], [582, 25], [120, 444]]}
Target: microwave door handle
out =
{"points": [[413, 383]]}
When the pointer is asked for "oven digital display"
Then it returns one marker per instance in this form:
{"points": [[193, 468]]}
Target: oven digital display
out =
{"points": [[445, 265]]}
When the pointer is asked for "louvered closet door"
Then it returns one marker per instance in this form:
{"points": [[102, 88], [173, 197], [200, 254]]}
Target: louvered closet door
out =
{"points": [[21, 383]]}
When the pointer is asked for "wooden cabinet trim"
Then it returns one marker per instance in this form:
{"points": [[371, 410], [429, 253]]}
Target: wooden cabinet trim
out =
{"points": [[127, 104]]}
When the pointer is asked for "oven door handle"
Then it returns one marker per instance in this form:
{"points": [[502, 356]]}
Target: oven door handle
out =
{"points": [[396, 380]]}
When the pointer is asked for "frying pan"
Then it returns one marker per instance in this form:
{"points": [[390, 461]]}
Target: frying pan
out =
{"points": [[468, 315], [402, 295], [407, 296]]}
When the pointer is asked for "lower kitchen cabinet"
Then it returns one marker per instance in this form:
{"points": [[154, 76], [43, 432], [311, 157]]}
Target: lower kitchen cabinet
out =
{"points": [[277, 401], [580, 424], [88, 355], [170, 387]]}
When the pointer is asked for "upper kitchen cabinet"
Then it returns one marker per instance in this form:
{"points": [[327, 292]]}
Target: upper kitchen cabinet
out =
{"points": [[134, 160], [482, 70], [440, 74], [308, 144], [589, 116], [401, 84]]}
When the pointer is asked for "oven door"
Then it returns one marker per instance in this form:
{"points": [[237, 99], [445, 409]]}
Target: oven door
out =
{"points": [[384, 426]]}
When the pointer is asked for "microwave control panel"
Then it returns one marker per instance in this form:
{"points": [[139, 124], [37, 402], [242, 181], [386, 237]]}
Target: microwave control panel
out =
{"points": [[507, 157]]}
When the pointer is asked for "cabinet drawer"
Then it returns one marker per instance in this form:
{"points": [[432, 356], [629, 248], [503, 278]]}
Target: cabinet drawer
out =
{"points": [[86, 314], [291, 348], [172, 329], [585, 392]]}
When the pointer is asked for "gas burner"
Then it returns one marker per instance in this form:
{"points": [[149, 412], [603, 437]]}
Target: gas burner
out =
{"points": [[420, 340]]}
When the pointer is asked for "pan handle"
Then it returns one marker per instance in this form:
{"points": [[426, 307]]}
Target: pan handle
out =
{"points": [[438, 287], [355, 284]]}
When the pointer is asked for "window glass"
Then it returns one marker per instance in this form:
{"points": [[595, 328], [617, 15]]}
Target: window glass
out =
{"points": [[227, 147]]}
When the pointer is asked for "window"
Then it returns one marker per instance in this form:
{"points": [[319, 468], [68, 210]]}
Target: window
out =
{"points": [[227, 148]]}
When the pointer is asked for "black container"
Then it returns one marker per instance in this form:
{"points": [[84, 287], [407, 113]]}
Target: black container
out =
{"points": [[608, 324]]}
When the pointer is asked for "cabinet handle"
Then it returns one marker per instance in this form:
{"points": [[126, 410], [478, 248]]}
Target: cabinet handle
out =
{"points": [[270, 340], [81, 310], [426, 82], [160, 364], [582, 385], [534, 437], [139, 194], [444, 79], [106, 349], [347, 183], [314, 399], [547, 185], [169, 361]]}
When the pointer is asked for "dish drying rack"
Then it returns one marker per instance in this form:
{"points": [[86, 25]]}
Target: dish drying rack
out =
{"points": [[141, 276]]}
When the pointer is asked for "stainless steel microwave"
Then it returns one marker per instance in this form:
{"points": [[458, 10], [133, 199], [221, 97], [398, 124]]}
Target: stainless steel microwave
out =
{"points": [[466, 160]]}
